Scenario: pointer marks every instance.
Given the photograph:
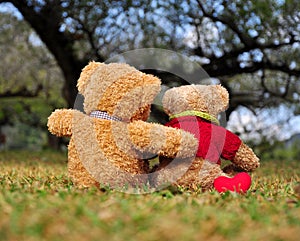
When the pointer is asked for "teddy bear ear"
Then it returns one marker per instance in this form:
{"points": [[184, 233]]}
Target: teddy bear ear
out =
{"points": [[168, 100], [86, 74], [224, 96]]}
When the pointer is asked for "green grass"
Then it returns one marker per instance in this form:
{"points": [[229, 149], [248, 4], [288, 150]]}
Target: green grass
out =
{"points": [[39, 202]]}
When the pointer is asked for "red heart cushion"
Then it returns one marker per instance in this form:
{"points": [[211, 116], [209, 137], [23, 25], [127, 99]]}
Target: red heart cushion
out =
{"points": [[239, 183]]}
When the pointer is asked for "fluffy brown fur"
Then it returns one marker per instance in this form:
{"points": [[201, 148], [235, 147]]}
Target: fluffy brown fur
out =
{"points": [[211, 99], [111, 152]]}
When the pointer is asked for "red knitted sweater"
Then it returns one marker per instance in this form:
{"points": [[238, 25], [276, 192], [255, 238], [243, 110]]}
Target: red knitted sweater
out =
{"points": [[214, 141]]}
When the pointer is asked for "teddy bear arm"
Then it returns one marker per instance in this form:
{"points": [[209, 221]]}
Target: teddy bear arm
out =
{"points": [[162, 140], [60, 122], [178, 143], [245, 158]]}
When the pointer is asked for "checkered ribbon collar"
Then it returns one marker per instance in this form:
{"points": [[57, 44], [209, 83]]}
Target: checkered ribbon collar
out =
{"points": [[103, 115]]}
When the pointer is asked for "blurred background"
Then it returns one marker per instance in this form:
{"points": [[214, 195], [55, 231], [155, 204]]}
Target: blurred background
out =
{"points": [[251, 47]]}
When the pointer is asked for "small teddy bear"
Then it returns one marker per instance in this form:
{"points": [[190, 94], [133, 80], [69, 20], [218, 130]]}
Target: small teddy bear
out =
{"points": [[194, 108], [111, 142]]}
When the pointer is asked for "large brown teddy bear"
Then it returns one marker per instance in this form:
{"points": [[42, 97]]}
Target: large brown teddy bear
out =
{"points": [[111, 142], [195, 108]]}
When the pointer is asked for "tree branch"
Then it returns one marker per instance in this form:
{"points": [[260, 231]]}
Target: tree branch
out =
{"points": [[228, 64], [245, 39], [231, 66], [90, 36], [23, 92], [275, 94]]}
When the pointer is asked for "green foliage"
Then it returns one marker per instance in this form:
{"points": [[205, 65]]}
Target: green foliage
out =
{"points": [[278, 150], [30, 86], [22, 136], [24, 122], [39, 202], [25, 62]]}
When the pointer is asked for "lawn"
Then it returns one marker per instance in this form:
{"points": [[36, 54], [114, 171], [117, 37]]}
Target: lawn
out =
{"points": [[39, 202]]}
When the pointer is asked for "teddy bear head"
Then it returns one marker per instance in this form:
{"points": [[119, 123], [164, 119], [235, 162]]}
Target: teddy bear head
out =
{"points": [[211, 99], [117, 89]]}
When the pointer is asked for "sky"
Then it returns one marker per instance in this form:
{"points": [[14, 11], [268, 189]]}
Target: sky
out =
{"points": [[9, 8]]}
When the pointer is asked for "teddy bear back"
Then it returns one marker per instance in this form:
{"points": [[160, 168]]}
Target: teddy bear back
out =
{"points": [[211, 99], [116, 88]]}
